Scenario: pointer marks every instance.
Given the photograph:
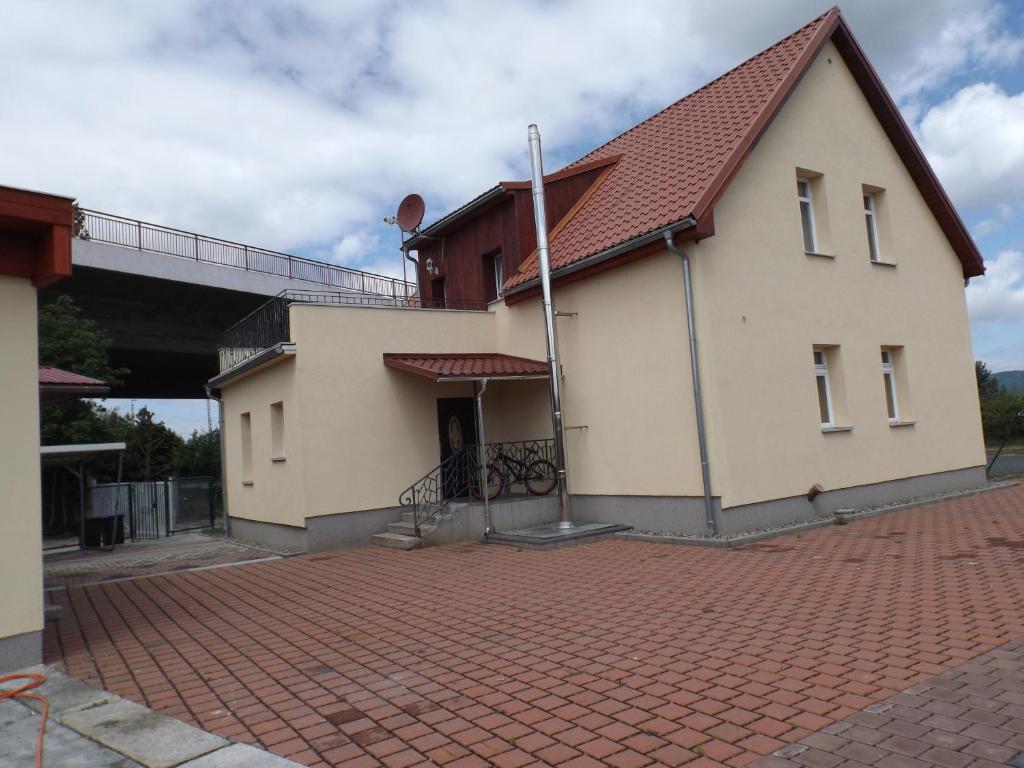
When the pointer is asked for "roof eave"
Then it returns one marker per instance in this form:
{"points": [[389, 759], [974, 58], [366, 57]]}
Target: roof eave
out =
{"points": [[608, 253], [434, 230]]}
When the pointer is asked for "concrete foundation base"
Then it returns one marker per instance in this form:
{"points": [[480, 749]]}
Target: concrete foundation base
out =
{"points": [[269, 534], [352, 529], [685, 515], [20, 651]]}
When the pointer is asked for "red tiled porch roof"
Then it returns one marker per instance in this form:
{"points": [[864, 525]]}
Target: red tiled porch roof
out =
{"points": [[488, 365]]}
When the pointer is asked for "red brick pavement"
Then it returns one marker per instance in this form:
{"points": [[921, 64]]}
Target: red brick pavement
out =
{"points": [[617, 653]]}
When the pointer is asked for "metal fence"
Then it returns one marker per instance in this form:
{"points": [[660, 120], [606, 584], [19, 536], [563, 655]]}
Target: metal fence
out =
{"points": [[131, 233], [116, 511], [191, 504]]}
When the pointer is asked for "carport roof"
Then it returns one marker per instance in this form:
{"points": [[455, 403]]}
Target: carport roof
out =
{"points": [[467, 366]]}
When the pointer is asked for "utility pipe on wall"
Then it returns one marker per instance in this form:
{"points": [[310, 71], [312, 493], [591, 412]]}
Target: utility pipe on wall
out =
{"points": [[481, 453], [540, 220], [698, 400]]}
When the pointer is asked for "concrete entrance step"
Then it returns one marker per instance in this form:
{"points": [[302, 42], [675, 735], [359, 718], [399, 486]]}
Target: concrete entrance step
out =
{"points": [[408, 529], [397, 541]]}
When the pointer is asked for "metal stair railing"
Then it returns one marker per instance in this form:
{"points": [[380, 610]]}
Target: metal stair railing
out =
{"points": [[452, 479], [459, 475]]}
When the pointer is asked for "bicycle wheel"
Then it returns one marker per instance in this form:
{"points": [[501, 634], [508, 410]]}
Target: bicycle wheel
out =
{"points": [[540, 477], [495, 485]]}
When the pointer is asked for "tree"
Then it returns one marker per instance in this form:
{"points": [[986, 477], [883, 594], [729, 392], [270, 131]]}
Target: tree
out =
{"points": [[200, 455], [988, 384], [153, 448], [72, 342], [1002, 418]]}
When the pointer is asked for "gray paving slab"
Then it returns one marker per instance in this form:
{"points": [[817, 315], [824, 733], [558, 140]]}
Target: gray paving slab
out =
{"points": [[240, 756], [967, 717], [155, 740], [64, 693], [62, 747]]}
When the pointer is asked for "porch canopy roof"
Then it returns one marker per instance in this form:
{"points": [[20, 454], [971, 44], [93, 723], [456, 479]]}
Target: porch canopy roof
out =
{"points": [[467, 366]]}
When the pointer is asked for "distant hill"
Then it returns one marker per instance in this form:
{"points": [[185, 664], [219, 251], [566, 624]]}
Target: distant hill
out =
{"points": [[1011, 381]]}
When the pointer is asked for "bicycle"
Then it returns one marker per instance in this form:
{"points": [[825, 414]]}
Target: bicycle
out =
{"points": [[538, 474]]}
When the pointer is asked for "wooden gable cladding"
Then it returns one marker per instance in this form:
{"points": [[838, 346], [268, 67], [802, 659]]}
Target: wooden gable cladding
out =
{"points": [[463, 257], [35, 235]]}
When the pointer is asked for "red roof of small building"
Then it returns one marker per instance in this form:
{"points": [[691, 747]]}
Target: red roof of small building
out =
{"points": [[56, 385], [487, 365], [676, 164], [50, 375]]}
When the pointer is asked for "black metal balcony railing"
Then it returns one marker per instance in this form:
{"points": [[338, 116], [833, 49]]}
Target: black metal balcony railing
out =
{"points": [[130, 233], [268, 324], [261, 329], [458, 476]]}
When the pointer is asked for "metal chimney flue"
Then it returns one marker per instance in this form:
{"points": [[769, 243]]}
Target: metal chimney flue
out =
{"points": [[540, 219]]}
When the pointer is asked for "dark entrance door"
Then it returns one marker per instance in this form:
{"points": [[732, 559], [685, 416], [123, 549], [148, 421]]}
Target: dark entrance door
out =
{"points": [[456, 428]]}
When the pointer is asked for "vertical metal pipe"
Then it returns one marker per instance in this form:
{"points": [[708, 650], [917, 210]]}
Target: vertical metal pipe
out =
{"points": [[698, 398], [540, 219], [481, 452]]}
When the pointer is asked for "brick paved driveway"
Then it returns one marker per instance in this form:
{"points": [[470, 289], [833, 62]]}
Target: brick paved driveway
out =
{"points": [[616, 653]]}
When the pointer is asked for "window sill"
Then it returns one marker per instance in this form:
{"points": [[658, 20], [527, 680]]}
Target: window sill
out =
{"points": [[247, 482], [895, 424], [827, 430], [278, 459], [890, 264], [820, 255]]}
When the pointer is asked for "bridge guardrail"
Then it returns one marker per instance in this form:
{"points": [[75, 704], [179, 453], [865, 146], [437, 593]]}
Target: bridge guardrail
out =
{"points": [[131, 233]]}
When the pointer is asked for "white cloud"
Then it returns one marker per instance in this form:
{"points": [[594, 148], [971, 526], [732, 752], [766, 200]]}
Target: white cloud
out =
{"points": [[1004, 213], [297, 124], [975, 142], [998, 296]]}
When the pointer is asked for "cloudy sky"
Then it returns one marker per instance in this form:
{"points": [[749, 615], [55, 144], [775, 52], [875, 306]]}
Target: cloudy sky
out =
{"points": [[299, 124]]}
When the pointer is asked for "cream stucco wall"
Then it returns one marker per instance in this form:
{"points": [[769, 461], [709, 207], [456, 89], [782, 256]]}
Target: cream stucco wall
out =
{"points": [[357, 432], [274, 491], [626, 378], [20, 528], [762, 304]]}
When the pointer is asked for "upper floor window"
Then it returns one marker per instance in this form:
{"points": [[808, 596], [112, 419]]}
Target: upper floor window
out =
{"points": [[803, 193], [871, 220], [494, 275]]}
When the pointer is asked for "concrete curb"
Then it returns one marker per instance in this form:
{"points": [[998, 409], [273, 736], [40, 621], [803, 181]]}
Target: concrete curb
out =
{"points": [[149, 738], [739, 541]]}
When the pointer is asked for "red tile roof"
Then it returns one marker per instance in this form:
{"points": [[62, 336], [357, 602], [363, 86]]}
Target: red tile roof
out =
{"points": [[56, 376], [466, 366], [676, 164]]}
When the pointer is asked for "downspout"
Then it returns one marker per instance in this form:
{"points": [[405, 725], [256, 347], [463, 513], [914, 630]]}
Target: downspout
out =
{"points": [[540, 220], [698, 399], [223, 461], [481, 453]]}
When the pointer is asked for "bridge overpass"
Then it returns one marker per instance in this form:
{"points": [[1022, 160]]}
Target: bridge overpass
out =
{"points": [[165, 295]]}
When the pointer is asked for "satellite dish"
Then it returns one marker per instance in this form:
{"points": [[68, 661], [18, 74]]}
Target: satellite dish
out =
{"points": [[410, 213]]}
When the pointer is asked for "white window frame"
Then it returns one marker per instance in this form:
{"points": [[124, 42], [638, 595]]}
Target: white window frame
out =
{"points": [[809, 202], [277, 431], [889, 381], [499, 275], [245, 432], [821, 372], [871, 218]]}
